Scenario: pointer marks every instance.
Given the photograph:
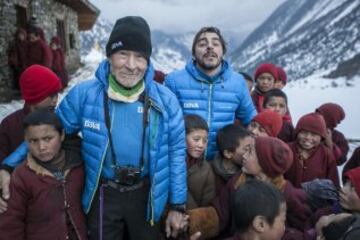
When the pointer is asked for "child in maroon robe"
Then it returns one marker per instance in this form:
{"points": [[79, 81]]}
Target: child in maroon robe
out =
{"points": [[58, 64], [265, 76], [276, 100], [266, 124], [333, 115], [312, 158]]}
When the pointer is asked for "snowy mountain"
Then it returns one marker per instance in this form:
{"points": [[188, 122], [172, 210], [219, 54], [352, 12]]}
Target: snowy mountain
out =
{"points": [[306, 37], [170, 51]]}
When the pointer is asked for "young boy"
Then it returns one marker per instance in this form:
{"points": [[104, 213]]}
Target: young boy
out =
{"points": [[312, 159], [46, 188], [232, 142], [267, 160], [200, 177], [276, 100], [265, 76], [39, 87], [333, 114], [266, 124], [282, 78], [259, 211]]}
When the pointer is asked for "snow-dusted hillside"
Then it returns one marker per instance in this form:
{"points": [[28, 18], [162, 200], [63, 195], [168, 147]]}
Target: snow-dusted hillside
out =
{"points": [[306, 37]]}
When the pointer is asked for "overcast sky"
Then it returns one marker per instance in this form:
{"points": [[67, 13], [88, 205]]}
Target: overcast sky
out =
{"points": [[189, 15]]}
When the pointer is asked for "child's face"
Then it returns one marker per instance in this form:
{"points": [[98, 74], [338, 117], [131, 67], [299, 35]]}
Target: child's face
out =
{"points": [[257, 130], [196, 142], [277, 229], [277, 104], [265, 82], [308, 140], [349, 198], [48, 103], [244, 147], [44, 141], [279, 85], [250, 162]]}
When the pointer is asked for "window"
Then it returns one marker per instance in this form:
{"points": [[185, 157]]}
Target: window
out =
{"points": [[60, 28], [21, 17], [72, 41]]}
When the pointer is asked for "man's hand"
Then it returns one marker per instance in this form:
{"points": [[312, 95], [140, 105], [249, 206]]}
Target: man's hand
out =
{"points": [[4, 186], [176, 222]]}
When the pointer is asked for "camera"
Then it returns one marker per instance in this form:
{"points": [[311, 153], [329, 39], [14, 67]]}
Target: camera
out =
{"points": [[128, 175]]}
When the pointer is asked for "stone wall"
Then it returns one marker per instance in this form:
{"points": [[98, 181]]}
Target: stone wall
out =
{"points": [[46, 12]]}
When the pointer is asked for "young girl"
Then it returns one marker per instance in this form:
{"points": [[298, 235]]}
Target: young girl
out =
{"points": [[312, 159], [46, 188], [200, 178]]}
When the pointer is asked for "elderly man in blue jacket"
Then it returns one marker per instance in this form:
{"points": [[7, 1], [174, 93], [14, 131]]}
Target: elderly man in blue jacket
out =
{"points": [[210, 88], [133, 141]]}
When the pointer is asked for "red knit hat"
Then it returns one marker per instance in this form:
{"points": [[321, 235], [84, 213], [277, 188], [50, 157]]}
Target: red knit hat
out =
{"points": [[281, 74], [266, 68], [312, 122], [270, 121], [354, 176], [275, 157], [37, 83], [333, 114]]}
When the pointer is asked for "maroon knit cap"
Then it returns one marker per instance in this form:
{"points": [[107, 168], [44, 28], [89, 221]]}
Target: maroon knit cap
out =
{"points": [[282, 75], [37, 83], [271, 121], [333, 114], [354, 176], [266, 68], [275, 157], [312, 122]]}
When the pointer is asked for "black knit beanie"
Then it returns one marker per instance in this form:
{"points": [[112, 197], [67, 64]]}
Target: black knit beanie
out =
{"points": [[130, 33]]}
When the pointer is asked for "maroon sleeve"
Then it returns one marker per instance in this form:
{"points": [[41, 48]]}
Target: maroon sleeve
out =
{"points": [[222, 204], [12, 222], [332, 172]]}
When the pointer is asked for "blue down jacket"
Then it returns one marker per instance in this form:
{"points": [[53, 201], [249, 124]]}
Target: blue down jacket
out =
{"points": [[82, 110], [219, 101]]}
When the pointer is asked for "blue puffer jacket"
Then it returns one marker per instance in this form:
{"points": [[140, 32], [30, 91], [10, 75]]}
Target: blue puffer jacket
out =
{"points": [[219, 101], [83, 110]]}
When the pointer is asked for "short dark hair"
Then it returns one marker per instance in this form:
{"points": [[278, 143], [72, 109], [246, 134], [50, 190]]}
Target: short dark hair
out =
{"points": [[275, 92], [247, 76], [212, 30], [255, 198], [195, 122], [34, 30], [43, 116], [229, 136]]}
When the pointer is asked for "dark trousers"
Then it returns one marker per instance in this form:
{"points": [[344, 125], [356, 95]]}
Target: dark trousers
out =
{"points": [[124, 215]]}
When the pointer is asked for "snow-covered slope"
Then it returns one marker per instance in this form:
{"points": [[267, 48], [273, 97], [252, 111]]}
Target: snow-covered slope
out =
{"points": [[306, 37]]}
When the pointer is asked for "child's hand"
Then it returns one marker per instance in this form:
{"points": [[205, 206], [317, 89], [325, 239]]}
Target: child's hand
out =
{"points": [[4, 187]]}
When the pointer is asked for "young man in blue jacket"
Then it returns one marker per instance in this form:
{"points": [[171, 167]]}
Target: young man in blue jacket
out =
{"points": [[209, 87], [133, 141]]}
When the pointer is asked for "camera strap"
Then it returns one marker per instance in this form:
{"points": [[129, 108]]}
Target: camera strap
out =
{"points": [[146, 106]]}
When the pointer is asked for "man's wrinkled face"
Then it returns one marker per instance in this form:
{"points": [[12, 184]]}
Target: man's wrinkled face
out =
{"points": [[128, 67]]}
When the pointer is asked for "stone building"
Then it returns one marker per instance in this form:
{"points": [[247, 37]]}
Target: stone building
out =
{"points": [[64, 18]]}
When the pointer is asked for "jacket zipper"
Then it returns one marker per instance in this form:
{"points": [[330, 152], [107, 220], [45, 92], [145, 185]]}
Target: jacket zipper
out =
{"points": [[209, 111]]}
